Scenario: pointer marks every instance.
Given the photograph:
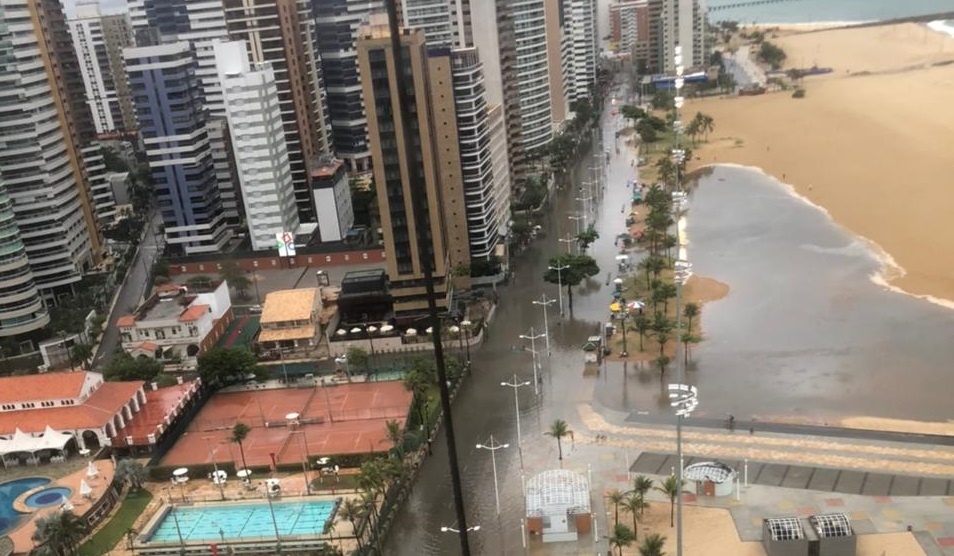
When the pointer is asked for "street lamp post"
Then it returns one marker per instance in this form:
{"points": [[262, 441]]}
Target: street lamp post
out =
{"points": [[465, 328], [303, 448], [371, 330], [621, 317], [586, 208], [544, 302], [533, 351], [215, 467], [493, 446], [452, 530], [559, 270], [577, 219], [569, 241], [271, 510], [516, 384]]}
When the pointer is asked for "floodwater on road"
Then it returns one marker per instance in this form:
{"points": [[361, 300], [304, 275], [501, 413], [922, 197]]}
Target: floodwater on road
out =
{"points": [[803, 333]]}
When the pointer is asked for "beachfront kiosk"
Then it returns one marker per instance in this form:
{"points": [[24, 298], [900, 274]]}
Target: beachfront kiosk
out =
{"points": [[710, 478], [558, 506]]}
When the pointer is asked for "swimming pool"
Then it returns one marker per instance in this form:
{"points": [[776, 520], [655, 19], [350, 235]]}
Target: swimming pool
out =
{"points": [[48, 497], [10, 491], [213, 522]]}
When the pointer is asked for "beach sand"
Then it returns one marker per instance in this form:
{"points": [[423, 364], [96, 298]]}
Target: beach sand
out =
{"points": [[870, 142], [711, 532]]}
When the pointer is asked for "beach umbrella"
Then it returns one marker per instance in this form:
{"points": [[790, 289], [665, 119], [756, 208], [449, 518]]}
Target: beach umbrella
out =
{"points": [[91, 471], [635, 305], [410, 332], [465, 323], [243, 473], [85, 489], [355, 330], [615, 307], [618, 281], [430, 330], [180, 472], [386, 328], [67, 507], [454, 329], [341, 332]]}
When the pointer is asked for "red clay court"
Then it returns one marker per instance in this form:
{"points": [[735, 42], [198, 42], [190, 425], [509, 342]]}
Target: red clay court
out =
{"points": [[354, 424]]}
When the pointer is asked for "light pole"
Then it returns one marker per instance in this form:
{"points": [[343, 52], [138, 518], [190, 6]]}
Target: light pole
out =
{"points": [[586, 208], [303, 448], [533, 351], [493, 446], [215, 467], [559, 270], [515, 384], [271, 510], [544, 302], [465, 328], [175, 519], [452, 530], [568, 240], [621, 317], [577, 219], [371, 330]]}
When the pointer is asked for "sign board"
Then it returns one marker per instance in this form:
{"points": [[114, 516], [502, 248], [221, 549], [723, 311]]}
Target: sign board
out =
{"points": [[286, 244]]}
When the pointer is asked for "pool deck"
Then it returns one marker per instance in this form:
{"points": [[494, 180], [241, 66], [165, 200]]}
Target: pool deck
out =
{"points": [[22, 536]]}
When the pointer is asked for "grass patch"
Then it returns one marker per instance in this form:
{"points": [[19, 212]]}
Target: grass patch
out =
{"points": [[115, 531]]}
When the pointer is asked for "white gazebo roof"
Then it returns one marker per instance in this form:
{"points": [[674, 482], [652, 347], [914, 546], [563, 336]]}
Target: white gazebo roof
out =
{"points": [[23, 442], [557, 492]]}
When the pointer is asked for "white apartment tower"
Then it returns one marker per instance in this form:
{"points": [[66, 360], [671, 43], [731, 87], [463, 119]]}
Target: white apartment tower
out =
{"points": [[86, 30], [582, 48], [532, 72], [258, 141], [682, 23]]}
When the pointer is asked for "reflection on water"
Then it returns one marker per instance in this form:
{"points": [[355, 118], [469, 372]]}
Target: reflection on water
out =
{"points": [[804, 331]]}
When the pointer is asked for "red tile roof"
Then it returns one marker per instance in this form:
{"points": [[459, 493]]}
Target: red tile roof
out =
{"points": [[193, 313], [126, 321], [49, 386], [94, 413], [159, 404], [147, 346]]}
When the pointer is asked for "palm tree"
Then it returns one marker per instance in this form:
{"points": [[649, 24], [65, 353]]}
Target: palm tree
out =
{"points": [[60, 532], [643, 325], [82, 352], [351, 510], [653, 545], [239, 433], [559, 429], [690, 311], [708, 125], [694, 128], [617, 498], [622, 537], [642, 485], [635, 505], [394, 434], [688, 339], [671, 487], [132, 472]]}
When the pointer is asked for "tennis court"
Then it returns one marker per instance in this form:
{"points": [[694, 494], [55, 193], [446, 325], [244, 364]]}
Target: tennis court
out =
{"points": [[334, 419]]}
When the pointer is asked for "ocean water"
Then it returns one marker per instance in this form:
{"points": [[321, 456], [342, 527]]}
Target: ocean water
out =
{"points": [[808, 329], [814, 11]]}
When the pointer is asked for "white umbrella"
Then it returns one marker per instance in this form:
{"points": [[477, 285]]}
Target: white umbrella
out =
{"points": [[430, 330], [341, 332], [182, 471], [635, 305], [618, 281], [454, 329], [91, 471], [465, 323], [410, 332], [386, 328], [355, 330], [243, 473], [67, 507], [85, 489]]}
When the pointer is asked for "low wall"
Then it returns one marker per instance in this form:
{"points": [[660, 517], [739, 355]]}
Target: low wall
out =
{"points": [[397, 344], [251, 261]]}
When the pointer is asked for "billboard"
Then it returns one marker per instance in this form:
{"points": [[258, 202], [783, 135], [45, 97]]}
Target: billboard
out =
{"points": [[286, 244]]}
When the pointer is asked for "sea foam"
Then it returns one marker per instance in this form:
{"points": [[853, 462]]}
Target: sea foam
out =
{"points": [[888, 268], [943, 26]]}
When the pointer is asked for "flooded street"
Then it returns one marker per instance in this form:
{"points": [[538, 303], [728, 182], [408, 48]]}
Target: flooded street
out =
{"points": [[803, 333]]}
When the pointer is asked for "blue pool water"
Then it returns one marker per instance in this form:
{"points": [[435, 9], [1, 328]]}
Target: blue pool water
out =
{"points": [[10, 491], [246, 521], [48, 497]]}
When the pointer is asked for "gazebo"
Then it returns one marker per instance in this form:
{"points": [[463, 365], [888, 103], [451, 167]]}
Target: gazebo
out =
{"points": [[558, 505], [32, 446]]}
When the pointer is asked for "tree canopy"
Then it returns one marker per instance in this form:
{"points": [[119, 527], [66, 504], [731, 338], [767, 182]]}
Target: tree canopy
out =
{"points": [[224, 366], [573, 269], [124, 367]]}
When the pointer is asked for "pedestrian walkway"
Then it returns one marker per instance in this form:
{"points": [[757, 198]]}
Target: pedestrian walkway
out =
{"points": [[809, 478]]}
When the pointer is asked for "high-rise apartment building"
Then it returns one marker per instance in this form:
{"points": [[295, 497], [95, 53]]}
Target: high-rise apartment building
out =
{"points": [[438, 166], [282, 33], [337, 23], [629, 30], [448, 24], [258, 141], [582, 48], [172, 122], [117, 35], [44, 123], [680, 22], [533, 73], [102, 99], [21, 309]]}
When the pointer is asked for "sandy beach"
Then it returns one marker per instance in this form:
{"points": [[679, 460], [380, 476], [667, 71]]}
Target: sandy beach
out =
{"points": [[869, 143]]}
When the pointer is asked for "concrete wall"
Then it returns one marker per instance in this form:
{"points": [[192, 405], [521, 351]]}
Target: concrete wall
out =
{"points": [[249, 262]]}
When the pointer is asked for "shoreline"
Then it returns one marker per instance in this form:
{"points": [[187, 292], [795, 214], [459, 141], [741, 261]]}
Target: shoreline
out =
{"points": [[879, 171]]}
